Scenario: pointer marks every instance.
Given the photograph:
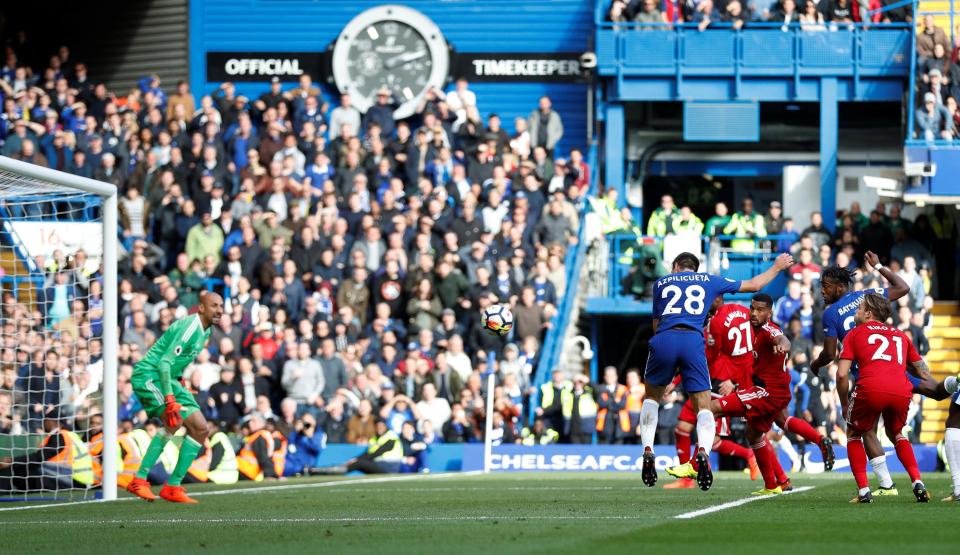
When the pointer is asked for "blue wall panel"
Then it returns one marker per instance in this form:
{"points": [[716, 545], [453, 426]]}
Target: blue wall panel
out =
{"points": [[470, 26]]}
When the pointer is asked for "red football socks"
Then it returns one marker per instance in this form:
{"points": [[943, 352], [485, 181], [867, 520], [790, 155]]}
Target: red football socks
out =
{"points": [[802, 429], [907, 458], [683, 445], [727, 447], [765, 460], [858, 460], [778, 472]]}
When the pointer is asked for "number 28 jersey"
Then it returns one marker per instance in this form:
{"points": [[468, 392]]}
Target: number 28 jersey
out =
{"points": [[682, 299], [882, 354]]}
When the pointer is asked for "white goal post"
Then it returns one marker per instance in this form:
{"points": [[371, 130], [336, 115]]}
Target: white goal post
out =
{"points": [[38, 188]]}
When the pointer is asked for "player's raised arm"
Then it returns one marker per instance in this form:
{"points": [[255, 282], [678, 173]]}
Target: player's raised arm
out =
{"points": [[757, 283], [898, 287]]}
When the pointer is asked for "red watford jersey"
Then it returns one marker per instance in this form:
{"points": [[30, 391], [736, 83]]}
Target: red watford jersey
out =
{"points": [[731, 330], [881, 353], [770, 368]]}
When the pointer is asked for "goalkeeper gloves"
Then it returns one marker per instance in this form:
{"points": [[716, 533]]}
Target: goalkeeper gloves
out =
{"points": [[171, 414]]}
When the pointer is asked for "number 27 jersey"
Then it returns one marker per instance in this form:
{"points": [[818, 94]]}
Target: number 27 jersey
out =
{"points": [[682, 299]]}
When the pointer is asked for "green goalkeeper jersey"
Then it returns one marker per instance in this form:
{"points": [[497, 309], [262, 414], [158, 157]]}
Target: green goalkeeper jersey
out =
{"points": [[175, 349]]}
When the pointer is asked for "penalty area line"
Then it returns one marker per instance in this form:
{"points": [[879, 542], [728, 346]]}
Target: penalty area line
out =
{"points": [[737, 503]]}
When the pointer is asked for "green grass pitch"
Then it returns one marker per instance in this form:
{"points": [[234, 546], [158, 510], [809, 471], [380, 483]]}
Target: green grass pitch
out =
{"points": [[498, 513]]}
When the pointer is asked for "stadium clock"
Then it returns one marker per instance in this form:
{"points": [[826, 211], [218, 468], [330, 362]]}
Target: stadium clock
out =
{"points": [[393, 47]]}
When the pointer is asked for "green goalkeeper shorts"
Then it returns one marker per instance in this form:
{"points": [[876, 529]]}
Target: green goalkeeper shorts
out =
{"points": [[147, 389]]}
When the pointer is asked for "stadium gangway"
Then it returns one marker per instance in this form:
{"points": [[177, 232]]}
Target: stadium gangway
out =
{"points": [[552, 348]]}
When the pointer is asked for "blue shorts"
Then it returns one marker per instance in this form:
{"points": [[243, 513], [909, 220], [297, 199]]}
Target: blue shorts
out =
{"points": [[914, 381], [678, 348]]}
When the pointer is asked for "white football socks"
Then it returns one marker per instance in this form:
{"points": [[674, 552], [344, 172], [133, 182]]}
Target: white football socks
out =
{"points": [[649, 413], [706, 429], [951, 445], [879, 465], [784, 444]]}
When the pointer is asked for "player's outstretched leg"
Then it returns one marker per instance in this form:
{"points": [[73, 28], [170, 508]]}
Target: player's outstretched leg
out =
{"points": [[803, 429], [173, 491], [734, 449], [649, 414]]}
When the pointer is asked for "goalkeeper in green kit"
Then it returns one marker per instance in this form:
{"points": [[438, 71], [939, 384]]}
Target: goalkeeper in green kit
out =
{"points": [[156, 383]]}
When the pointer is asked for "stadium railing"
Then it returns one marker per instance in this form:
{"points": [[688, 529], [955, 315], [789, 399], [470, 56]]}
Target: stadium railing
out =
{"points": [[720, 259], [553, 342]]}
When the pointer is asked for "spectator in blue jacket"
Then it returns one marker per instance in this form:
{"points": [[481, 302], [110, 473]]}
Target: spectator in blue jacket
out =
{"points": [[304, 445], [933, 120], [788, 305]]}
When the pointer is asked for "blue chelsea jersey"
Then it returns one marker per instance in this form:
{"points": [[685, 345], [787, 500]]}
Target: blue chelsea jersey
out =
{"points": [[838, 318], [683, 298]]}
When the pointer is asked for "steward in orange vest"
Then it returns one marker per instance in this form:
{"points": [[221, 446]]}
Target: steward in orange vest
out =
{"points": [[255, 460], [61, 462], [613, 420]]}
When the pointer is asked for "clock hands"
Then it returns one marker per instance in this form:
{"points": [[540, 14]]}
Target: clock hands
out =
{"points": [[404, 59]]}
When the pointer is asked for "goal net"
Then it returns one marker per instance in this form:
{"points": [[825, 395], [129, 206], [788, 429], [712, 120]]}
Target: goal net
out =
{"points": [[58, 356]]}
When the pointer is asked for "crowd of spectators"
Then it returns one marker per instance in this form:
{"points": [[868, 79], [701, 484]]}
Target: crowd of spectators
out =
{"points": [[808, 14], [937, 116], [355, 252]]}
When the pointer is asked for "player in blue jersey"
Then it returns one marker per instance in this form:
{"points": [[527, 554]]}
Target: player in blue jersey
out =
{"points": [[680, 303], [838, 319]]}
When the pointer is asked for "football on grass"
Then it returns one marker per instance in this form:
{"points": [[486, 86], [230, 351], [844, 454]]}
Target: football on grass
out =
{"points": [[497, 319]]}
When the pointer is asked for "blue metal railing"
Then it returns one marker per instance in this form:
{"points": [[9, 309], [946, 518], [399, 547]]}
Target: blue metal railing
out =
{"points": [[553, 343], [738, 264]]}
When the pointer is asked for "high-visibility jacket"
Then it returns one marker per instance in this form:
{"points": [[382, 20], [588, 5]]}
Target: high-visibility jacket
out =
{"points": [[247, 463], [742, 225], [586, 409], [546, 392], [225, 472], [623, 416], [395, 454], [529, 438], [95, 446], [200, 467], [693, 225], [610, 218], [132, 445], [635, 405], [587, 406], [279, 452], [657, 225], [75, 454]]}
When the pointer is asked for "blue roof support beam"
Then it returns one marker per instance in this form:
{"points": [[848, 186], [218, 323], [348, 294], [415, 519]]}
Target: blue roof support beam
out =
{"points": [[615, 139], [829, 124]]}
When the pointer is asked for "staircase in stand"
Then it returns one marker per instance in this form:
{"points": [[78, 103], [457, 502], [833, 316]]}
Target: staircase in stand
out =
{"points": [[944, 360]]}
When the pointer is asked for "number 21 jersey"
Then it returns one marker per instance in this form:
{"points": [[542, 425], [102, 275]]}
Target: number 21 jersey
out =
{"points": [[882, 354], [682, 299]]}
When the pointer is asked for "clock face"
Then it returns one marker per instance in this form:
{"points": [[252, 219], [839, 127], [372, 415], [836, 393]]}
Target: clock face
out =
{"points": [[389, 54], [391, 47]]}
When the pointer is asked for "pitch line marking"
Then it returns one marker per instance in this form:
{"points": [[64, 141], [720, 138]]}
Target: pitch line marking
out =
{"points": [[255, 489], [316, 520], [737, 503]]}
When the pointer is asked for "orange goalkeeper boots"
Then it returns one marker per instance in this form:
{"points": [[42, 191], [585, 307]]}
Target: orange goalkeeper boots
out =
{"points": [[141, 488], [176, 494]]}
